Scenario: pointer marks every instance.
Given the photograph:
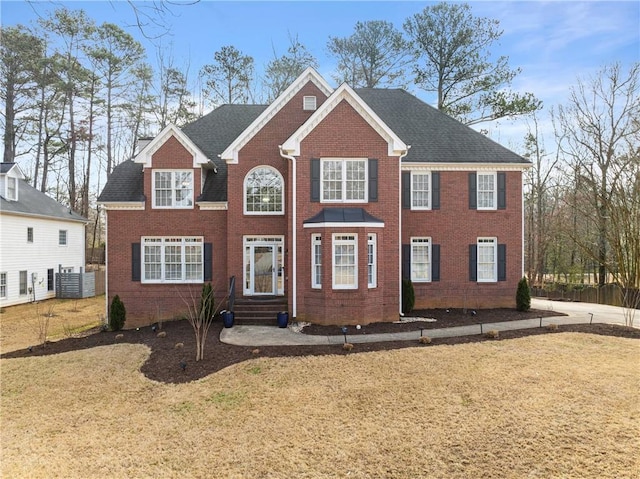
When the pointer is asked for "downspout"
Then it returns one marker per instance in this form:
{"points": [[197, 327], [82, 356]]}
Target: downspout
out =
{"points": [[294, 234], [400, 227], [106, 267]]}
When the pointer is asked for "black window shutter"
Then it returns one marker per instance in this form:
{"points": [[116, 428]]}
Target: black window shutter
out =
{"points": [[406, 261], [435, 262], [50, 283], [135, 262], [502, 190], [315, 179], [502, 262], [473, 262], [406, 189], [435, 190], [473, 196], [208, 261], [373, 179]]}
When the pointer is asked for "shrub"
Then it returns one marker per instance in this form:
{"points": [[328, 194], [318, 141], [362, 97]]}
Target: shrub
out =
{"points": [[207, 305], [424, 340], [408, 296], [117, 314], [492, 334], [523, 296]]}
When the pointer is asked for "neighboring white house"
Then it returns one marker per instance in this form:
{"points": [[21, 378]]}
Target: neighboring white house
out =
{"points": [[38, 236]]}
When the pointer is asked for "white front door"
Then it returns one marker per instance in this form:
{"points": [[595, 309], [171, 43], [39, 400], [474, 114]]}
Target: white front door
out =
{"points": [[263, 266]]}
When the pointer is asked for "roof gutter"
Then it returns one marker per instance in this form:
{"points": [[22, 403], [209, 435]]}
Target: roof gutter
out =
{"points": [[294, 234]]}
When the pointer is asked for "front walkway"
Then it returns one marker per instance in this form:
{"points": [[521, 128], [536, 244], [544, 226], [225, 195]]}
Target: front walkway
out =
{"points": [[577, 313]]}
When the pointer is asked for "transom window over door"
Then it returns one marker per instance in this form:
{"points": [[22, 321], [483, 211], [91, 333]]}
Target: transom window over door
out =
{"points": [[173, 189], [344, 180], [264, 191]]}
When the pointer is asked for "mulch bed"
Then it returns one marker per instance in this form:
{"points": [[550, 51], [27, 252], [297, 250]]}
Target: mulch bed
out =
{"points": [[170, 364]]}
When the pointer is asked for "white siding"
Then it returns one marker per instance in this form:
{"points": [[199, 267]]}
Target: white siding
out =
{"points": [[16, 254]]}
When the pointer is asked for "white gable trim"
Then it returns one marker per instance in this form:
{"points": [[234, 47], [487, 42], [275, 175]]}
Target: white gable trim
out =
{"points": [[230, 155], [15, 172], [144, 156], [396, 146]]}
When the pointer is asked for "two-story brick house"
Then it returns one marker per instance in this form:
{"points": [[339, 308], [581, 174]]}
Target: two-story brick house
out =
{"points": [[326, 198]]}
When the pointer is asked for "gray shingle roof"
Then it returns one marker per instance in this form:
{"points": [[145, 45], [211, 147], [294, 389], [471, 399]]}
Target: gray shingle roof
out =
{"points": [[126, 183], [33, 202], [433, 135], [212, 134]]}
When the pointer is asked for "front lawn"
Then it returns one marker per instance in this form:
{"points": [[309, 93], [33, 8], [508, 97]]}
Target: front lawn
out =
{"points": [[553, 405]]}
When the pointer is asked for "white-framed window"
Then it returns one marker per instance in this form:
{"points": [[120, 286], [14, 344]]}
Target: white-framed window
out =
{"points": [[487, 191], [12, 189], [172, 189], [343, 180], [421, 260], [309, 103], [264, 192], [22, 278], [345, 261], [62, 237], [316, 261], [420, 191], [372, 266], [29, 234], [172, 260], [3, 285], [487, 265]]}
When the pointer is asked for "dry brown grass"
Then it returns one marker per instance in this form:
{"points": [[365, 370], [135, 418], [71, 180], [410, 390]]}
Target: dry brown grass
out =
{"points": [[562, 406], [20, 325]]}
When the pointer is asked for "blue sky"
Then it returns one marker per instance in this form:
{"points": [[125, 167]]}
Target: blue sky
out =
{"points": [[552, 42]]}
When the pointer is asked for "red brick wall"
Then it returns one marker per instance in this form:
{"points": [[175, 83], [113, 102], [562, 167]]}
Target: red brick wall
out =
{"points": [[263, 149], [148, 303], [345, 134], [454, 227]]}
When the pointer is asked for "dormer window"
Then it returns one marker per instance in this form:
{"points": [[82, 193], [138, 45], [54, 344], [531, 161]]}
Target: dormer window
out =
{"points": [[173, 189], [309, 103], [12, 189]]}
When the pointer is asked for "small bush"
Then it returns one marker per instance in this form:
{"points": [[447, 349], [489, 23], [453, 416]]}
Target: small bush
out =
{"points": [[492, 334], [117, 314], [552, 327], [207, 304], [408, 296], [425, 340], [347, 347], [523, 296]]}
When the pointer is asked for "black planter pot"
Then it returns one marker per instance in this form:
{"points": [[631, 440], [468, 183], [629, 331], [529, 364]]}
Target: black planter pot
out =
{"points": [[227, 318], [283, 319]]}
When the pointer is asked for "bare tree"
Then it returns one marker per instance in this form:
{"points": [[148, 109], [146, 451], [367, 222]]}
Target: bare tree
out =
{"points": [[596, 128], [541, 200]]}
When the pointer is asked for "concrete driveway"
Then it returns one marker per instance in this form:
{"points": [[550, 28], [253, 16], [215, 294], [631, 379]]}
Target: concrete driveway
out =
{"points": [[602, 313]]}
